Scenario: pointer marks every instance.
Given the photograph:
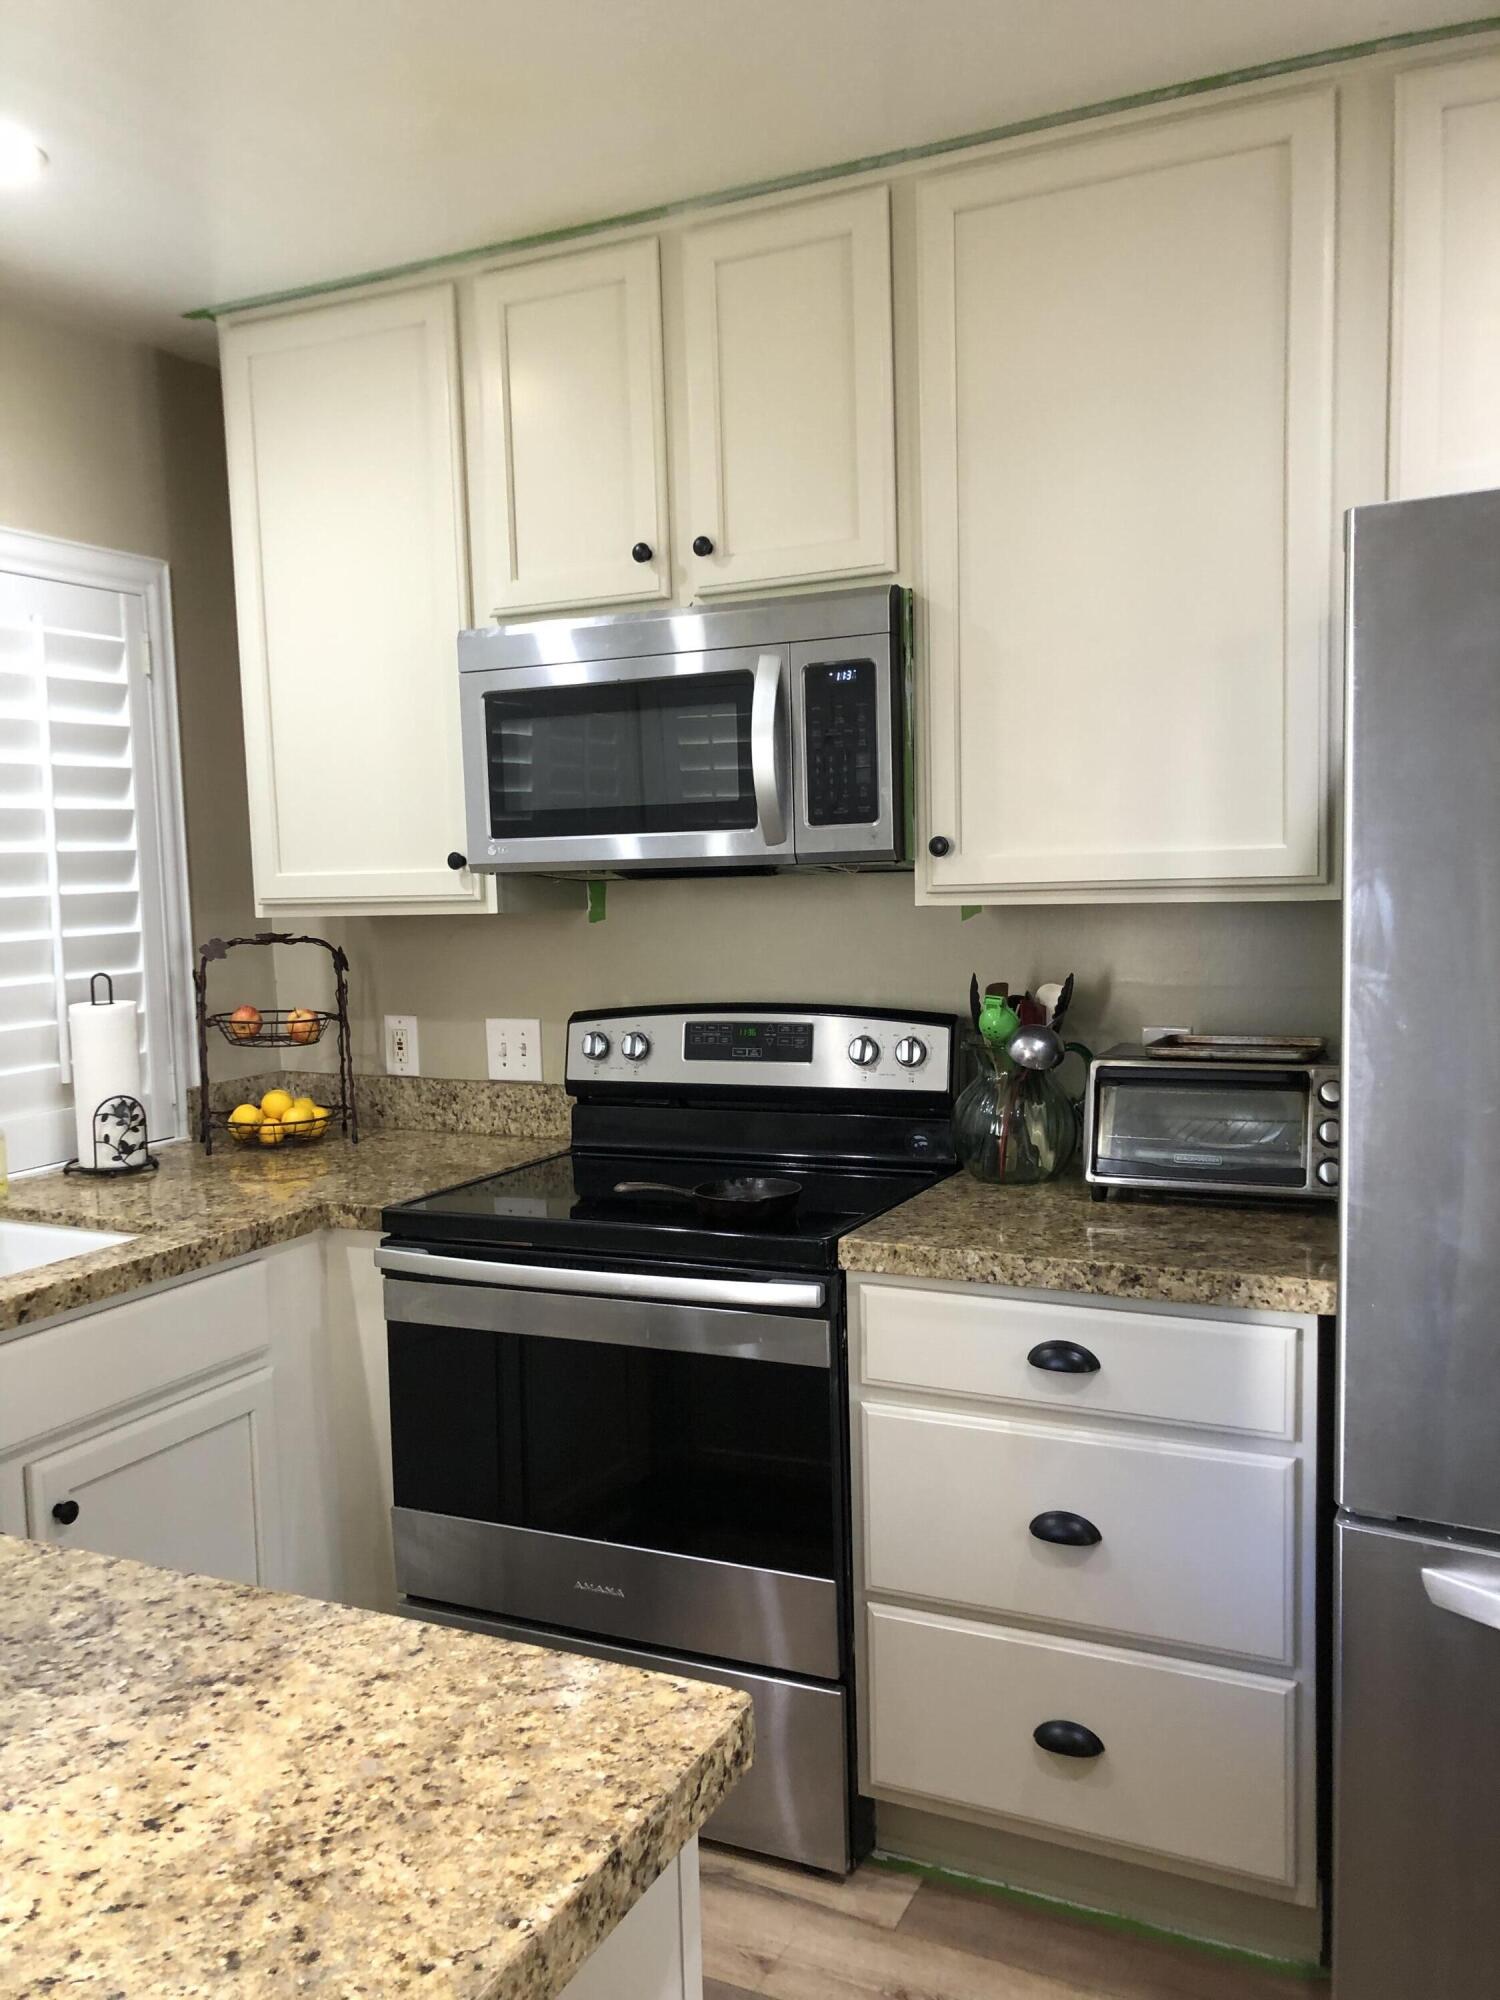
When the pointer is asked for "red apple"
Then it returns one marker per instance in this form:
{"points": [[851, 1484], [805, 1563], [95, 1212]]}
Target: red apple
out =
{"points": [[244, 1023]]}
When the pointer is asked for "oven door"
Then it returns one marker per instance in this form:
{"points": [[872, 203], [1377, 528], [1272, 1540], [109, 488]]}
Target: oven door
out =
{"points": [[678, 762], [1245, 1133], [656, 1471]]}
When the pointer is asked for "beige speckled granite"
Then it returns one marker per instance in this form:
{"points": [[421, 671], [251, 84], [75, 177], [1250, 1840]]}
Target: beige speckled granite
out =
{"points": [[210, 1789], [198, 1211], [1054, 1238], [473, 1105]]}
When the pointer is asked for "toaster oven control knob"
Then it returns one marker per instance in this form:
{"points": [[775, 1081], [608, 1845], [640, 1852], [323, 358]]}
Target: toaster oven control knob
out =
{"points": [[1328, 1172], [1328, 1132], [1329, 1093], [864, 1050], [595, 1045], [911, 1052], [635, 1047]]}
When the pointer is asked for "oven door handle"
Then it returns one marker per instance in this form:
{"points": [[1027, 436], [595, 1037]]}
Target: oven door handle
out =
{"points": [[767, 1294], [765, 748]]}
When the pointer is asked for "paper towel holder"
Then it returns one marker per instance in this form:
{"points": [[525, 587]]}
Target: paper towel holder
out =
{"points": [[119, 1122]]}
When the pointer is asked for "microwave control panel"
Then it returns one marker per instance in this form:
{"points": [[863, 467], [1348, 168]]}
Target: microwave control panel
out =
{"points": [[841, 700]]}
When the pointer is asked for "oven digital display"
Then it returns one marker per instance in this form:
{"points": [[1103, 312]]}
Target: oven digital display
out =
{"points": [[748, 1041]]}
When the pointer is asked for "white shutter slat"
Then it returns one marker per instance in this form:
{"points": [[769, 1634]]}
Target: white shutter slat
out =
{"points": [[73, 694]]}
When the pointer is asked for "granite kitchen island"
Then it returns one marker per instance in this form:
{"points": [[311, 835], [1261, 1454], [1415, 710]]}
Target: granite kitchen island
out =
{"points": [[210, 1788]]}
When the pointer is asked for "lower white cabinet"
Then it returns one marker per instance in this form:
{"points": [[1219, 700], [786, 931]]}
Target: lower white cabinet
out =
{"points": [[1087, 1593], [231, 1424], [189, 1486]]}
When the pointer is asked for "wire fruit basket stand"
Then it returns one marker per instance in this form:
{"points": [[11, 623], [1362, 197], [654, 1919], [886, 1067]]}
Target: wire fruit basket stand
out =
{"points": [[276, 1028]]}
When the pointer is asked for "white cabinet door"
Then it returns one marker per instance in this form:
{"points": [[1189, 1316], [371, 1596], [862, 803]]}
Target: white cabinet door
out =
{"points": [[791, 428], [189, 1487], [346, 490], [1446, 281], [567, 432], [1126, 438]]}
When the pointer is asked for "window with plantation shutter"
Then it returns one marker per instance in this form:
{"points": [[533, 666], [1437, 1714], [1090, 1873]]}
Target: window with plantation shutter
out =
{"points": [[91, 855]]}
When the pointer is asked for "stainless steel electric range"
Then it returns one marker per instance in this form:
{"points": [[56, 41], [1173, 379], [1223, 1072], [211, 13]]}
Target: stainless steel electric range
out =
{"points": [[619, 1425]]}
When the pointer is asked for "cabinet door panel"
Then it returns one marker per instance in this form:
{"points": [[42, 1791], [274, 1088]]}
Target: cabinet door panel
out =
{"points": [[1126, 425], [568, 431], [1446, 290], [344, 471], [188, 1487], [791, 459]]}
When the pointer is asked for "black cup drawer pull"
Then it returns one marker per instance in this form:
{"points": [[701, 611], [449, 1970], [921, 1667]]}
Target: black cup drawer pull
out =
{"points": [[1069, 1531], [1068, 1739], [65, 1511], [1064, 1357]]}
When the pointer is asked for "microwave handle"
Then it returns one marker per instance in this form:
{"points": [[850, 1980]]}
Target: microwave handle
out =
{"points": [[765, 761]]}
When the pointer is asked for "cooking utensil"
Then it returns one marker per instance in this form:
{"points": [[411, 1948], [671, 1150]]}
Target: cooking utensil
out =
{"points": [[742, 1198]]}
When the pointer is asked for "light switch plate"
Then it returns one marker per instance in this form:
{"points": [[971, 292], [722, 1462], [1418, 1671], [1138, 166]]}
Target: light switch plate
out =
{"points": [[401, 1057], [515, 1050]]}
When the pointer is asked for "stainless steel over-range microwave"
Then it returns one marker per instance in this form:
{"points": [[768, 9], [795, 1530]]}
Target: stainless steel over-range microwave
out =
{"points": [[767, 735]]}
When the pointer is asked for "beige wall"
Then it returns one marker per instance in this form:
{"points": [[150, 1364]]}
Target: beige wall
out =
{"points": [[835, 937], [110, 442]]}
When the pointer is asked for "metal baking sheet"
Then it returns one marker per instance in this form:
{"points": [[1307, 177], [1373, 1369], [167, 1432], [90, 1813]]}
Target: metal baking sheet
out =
{"points": [[1238, 1048]]}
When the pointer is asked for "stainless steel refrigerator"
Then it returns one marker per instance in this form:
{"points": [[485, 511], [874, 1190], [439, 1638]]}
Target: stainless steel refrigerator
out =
{"points": [[1416, 1866]]}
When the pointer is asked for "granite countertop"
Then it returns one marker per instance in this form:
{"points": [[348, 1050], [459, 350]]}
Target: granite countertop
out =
{"points": [[200, 1210], [209, 1788], [1054, 1238]]}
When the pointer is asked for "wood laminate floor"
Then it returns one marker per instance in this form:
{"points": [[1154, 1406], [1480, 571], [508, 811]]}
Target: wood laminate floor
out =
{"points": [[784, 1935]]}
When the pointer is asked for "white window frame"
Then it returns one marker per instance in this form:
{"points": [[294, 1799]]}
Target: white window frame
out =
{"points": [[174, 1056]]}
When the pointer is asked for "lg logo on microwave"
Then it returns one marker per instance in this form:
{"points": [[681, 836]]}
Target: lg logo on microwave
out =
{"points": [[599, 1589]]}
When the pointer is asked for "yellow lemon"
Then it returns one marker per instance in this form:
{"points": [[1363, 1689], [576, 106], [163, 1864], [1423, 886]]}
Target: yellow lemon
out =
{"points": [[321, 1115], [276, 1103], [271, 1132], [298, 1124], [303, 1104], [243, 1121]]}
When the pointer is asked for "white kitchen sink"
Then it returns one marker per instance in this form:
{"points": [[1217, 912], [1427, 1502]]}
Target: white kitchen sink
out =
{"points": [[25, 1245]]}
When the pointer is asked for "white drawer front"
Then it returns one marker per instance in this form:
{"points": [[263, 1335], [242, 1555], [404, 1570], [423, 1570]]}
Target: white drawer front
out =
{"points": [[1195, 1546], [124, 1353], [1172, 1370], [1197, 1762]]}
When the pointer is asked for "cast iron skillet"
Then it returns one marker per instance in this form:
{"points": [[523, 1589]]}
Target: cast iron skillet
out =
{"points": [[745, 1198]]}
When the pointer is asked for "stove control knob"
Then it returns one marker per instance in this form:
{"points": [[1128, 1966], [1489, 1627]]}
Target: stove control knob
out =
{"points": [[595, 1045], [635, 1047], [864, 1050], [911, 1052]]}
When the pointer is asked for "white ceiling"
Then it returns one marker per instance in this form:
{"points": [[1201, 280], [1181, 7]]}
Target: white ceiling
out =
{"points": [[204, 150]]}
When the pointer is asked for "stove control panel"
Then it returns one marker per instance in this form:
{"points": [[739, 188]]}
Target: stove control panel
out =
{"points": [[836, 1049]]}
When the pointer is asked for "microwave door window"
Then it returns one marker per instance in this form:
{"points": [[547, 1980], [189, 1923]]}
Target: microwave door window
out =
{"points": [[624, 757], [1202, 1131]]}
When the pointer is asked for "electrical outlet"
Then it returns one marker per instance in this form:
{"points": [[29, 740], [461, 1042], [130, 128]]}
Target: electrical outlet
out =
{"points": [[401, 1058], [515, 1050]]}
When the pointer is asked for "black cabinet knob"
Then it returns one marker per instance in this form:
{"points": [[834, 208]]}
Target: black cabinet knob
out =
{"points": [[1067, 1739], [1063, 1357], [940, 845], [702, 546], [1069, 1531], [642, 552], [457, 860], [65, 1511]]}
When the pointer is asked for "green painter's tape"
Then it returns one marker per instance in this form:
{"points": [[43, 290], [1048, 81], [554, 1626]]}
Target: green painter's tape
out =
{"points": [[954, 1878], [596, 902], [1139, 100], [967, 910]]}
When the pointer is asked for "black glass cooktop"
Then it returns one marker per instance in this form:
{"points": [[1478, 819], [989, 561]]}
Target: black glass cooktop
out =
{"points": [[568, 1204]]}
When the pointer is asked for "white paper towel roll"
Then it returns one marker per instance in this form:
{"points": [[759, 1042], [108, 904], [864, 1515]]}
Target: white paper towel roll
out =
{"points": [[106, 1064]]}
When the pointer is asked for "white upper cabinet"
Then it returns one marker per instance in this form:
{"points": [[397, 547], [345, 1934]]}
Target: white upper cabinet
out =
{"points": [[1445, 430], [791, 428], [1126, 427], [349, 557], [566, 432]]}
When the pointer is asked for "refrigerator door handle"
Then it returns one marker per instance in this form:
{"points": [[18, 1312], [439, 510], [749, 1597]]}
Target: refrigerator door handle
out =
{"points": [[1464, 1595]]}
